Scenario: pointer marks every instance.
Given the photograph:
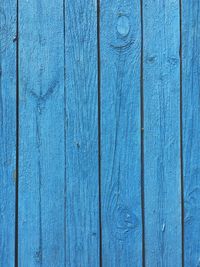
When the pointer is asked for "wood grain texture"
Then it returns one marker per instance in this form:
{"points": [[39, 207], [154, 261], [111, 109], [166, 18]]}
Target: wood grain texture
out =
{"points": [[191, 129], [162, 175], [41, 134], [82, 191], [7, 131], [120, 39], [60, 131]]}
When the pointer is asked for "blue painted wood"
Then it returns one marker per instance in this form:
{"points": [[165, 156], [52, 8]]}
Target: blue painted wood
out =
{"points": [[191, 129], [7, 131], [58, 133], [41, 134], [120, 39], [82, 191], [162, 177]]}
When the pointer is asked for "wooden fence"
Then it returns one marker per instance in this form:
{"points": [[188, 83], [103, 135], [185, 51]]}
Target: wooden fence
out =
{"points": [[99, 133]]}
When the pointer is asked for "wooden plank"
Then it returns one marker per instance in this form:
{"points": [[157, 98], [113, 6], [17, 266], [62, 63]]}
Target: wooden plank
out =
{"points": [[120, 38], [82, 193], [7, 131], [41, 134], [191, 129], [162, 175]]}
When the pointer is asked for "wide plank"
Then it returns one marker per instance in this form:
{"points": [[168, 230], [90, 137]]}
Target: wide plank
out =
{"points": [[8, 14], [162, 164], [191, 129], [81, 132], [41, 193], [120, 56]]}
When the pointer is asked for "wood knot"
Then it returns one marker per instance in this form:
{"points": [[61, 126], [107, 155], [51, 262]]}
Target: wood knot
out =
{"points": [[38, 256], [122, 38], [123, 221], [123, 25], [173, 61], [151, 59]]}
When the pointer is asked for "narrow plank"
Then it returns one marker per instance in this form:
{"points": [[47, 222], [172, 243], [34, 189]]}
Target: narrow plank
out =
{"points": [[120, 37], [41, 134], [82, 193], [162, 175], [191, 129], [7, 131]]}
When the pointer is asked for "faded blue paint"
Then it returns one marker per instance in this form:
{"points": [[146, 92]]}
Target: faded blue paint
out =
{"points": [[7, 131], [41, 134], [81, 133], [138, 76], [162, 164], [191, 129], [120, 38]]}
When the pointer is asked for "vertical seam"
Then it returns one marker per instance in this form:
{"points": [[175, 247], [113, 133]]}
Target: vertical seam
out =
{"points": [[99, 130], [65, 132], [181, 135], [17, 135], [142, 134]]}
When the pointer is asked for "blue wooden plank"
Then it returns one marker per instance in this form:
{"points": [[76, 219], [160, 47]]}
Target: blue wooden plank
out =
{"points": [[82, 192], [120, 38], [191, 129], [7, 131], [162, 175], [41, 134]]}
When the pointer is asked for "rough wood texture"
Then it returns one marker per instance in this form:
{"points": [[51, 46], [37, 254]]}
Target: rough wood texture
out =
{"points": [[162, 176], [7, 131], [41, 134], [120, 39], [82, 191], [191, 129], [100, 112]]}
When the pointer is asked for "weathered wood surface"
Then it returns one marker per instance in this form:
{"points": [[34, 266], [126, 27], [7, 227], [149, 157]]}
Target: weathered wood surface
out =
{"points": [[191, 129], [42, 215], [81, 133], [120, 50], [162, 166], [104, 141], [58, 156], [7, 131]]}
